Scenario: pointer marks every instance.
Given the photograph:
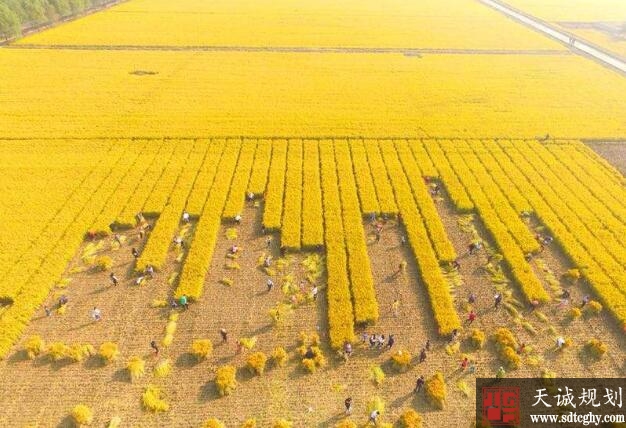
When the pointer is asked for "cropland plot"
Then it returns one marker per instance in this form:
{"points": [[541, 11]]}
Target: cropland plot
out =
{"points": [[537, 329], [128, 318], [389, 98], [294, 24]]}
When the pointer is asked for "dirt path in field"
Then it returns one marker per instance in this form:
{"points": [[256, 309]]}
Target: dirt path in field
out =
{"points": [[309, 400], [300, 49], [614, 152]]}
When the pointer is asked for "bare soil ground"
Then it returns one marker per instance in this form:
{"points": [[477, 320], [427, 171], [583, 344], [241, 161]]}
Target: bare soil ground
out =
{"points": [[614, 152], [43, 392]]}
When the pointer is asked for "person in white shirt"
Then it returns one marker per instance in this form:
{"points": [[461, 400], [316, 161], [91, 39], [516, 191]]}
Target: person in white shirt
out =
{"points": [[96, 314], [186, 217]]}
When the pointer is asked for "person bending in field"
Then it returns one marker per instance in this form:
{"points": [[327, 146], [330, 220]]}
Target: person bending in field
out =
{"points": [[348, 404], [186, 218], [270, 285], [422, 355], [471, 299], [238, 218], [149, 271], [586, 300], [471, 317], [113, 279], [154, 346], [135, 253], [234, 249], [419, 384], [224, 335], [474, 247], [427, 346], [390, 341], [183, 301], [96, 315], [314, 292], [497, 299], [455, 264]]}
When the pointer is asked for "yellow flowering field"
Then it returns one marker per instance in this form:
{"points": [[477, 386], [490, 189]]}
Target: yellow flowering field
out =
{"points": [[270, 94], [461, 24]]}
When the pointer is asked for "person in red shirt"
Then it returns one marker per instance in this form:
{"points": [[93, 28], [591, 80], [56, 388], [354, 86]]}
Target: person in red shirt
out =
{"points": [[471, 317]]}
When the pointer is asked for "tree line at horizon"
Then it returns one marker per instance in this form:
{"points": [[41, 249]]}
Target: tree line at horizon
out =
{"points": [[17, 15]]}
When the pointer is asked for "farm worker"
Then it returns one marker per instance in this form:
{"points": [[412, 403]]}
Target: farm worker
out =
{"points": [[566, 294], [471, 317], [268, 241], [455, 264], [464, 363], [501, 373], [427, 346], [521, 349], [474, 246], [314, 292], [372, 217], [47, 311], [142, 233], [348, 404], [95, 314], [377, 236], [472, 298], [135, 253], [419, 384], [560, 342], [113, 278], [381, 341], [347, 349], [268, 261], [183, 301], [154, 346], [422, 355], [238, 218], [472, 368], [63, 300], [173, 303], [374, 417], [497, 300], [365, 337], [586, 300], [373, 340], [395, 308], [185, 217], [118, 238], [234, 249], [178, 241], [402, 240], [270, 285], [391, 341], [309, 353], [139, 280], [455, 334], [250, 196], [150, 271], [224, 335]]}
